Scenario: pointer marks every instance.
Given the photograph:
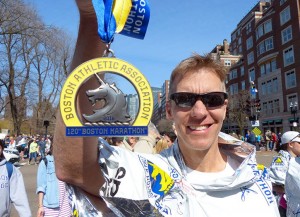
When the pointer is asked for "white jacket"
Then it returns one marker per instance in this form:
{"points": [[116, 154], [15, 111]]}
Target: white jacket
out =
{"points": [[149, 184], [292, 188], [161, 185]]}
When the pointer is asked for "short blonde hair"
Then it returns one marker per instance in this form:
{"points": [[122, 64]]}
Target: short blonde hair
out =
{"points": [[194, 63], [161, 145]]}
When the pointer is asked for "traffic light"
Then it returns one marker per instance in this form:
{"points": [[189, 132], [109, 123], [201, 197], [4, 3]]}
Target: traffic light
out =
{"points": [[252, 118], [248, 107]]}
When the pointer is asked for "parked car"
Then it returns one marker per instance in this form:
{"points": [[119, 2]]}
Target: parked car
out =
{"points": [[11, 155]]}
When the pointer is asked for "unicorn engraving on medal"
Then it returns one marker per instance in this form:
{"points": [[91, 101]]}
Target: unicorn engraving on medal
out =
{"points": [[114, 111]]}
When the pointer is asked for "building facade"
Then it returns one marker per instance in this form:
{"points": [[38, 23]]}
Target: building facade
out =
{"points": [[160, 105], [267, 40]]}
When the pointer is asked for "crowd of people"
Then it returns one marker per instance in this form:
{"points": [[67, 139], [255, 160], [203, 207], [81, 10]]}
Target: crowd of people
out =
{"points": [[268, 141]]}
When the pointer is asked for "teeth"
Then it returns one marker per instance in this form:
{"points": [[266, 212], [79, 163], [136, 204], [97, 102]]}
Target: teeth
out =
{"points": [[198, 128]]}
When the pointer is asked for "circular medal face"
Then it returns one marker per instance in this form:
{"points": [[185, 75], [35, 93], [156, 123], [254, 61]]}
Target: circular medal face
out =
{"points": [[111, 117]]}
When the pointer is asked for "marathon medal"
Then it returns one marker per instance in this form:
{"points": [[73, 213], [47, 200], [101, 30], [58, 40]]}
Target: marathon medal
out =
{"points": [[112, 117]]}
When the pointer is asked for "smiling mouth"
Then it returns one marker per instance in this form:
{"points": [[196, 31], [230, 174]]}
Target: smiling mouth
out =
{"points": [[199, 128]]}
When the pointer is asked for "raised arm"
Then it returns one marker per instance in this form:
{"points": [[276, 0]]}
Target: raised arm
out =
{"points": [[76, 158]]}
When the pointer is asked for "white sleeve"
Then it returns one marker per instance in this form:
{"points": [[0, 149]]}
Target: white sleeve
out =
{"points": [[18, 193]]}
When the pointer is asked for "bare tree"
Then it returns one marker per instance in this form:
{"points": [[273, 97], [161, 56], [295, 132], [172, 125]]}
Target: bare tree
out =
{"points": [[34, 59], [50, 70], [237, 109]]}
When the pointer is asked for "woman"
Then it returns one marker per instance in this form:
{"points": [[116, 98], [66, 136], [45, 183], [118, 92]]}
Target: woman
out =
{"points": [[52, 195], [280, 164], [12, 188]]}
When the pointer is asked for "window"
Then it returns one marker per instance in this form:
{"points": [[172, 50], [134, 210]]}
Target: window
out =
{"points": [[250, 57], [242, 70], [248, 28], [268, 67], [269, 87], [269, 44], [239, 41], [252, 74], [268, 26], [276, 106], [265, 45], [240, 49], [259, 31], [227, 62], [291, 100], [275, 85], [262, 69], [264, 88], [264, 28], [233, 36], [282, 1], [243, 84], [270, 107], [234, 73], [285, 15], [286, 35], [234, 89], [261, 48], [273, 65], [288, 56], [249, 43], [290, 79], [265, 107]]}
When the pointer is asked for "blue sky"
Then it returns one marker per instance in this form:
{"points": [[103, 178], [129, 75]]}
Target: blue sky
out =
{"points": [[176, 29]]}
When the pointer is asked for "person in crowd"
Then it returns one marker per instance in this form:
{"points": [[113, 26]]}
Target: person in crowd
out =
{"points": [[146, 144], [12, 142], [292, 185], [120, 142], [203, 173], [241, 137], [12, 188], [268, 136], [272, 144], [21, 146], [33, 151], [52, 194], [162, 144], [7, 140], [170, 136], [48, 144], [129, 142], [288, 149], [42, 147]]}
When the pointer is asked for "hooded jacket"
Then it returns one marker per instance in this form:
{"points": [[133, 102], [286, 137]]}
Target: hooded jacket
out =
{"points": [[12, 190]]}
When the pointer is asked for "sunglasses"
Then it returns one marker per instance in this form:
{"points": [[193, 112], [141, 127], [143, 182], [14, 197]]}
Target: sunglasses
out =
{"points": [[188, 100]]}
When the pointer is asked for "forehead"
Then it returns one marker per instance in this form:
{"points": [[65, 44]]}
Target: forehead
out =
{"points": [[199, 81]]}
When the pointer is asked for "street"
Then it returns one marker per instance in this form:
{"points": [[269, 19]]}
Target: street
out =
{"points": [[29, 175]]}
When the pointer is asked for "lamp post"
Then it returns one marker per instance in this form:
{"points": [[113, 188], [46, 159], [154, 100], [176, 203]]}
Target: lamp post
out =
{"points": [[46, 125], [294, 109]]}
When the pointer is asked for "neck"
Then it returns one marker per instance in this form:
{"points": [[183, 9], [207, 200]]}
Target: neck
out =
{"points": [[210, 160]]}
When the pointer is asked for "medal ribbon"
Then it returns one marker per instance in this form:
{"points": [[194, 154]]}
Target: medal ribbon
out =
{"points": [[127, 17]]}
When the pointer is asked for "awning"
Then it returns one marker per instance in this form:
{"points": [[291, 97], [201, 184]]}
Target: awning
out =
{"points": [[271, 122], [291, 120], [278, 121]]}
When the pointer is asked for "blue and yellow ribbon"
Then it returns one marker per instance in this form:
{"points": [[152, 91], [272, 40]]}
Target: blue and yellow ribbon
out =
{"points": [[127, 17]]}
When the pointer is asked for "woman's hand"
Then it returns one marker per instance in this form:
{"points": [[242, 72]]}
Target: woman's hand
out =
{"points": [[40, 212]]}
